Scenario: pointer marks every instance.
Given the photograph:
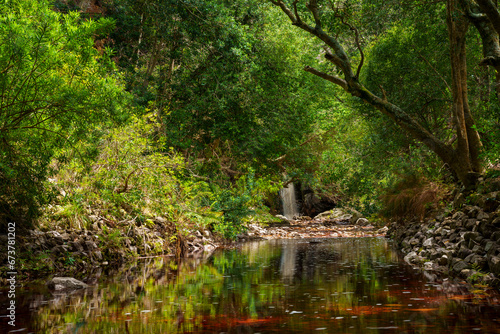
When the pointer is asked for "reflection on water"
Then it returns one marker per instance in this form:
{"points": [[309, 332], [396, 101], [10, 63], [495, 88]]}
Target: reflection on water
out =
{"points": [[278, 286]]}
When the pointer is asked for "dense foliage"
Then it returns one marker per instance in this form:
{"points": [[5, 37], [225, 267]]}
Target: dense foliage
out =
{"points": [[54, 85], [199, 111]]}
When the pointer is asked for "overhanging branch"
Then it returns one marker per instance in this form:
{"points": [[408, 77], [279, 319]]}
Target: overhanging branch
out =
{"points": [[336, 80]]}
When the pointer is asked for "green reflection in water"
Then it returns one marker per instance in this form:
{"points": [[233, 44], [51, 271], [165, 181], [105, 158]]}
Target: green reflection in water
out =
{"points": [[281, 286]]}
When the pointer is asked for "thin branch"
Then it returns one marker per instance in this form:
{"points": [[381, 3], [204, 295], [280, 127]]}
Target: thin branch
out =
{"points": [[358, 44], [313, 7], [384, 94], [341, 58], [125, 186], [336, 80], [296, 11]]}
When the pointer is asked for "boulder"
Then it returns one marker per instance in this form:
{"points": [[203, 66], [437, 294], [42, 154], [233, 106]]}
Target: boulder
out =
{"points": [[460, 265], [355, 215], [362, 222], [282, 218], [337, 214], [494, 264], [412, 258], [66, 283], [428, 243], [383, 230], [428, 265]]}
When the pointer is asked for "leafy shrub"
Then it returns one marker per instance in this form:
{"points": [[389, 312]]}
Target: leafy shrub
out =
{"points": [[54, 85], [132, 178]]}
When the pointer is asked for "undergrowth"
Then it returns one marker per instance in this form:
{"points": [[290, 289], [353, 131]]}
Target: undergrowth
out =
{"points": [[134, 179], [413, 197]]}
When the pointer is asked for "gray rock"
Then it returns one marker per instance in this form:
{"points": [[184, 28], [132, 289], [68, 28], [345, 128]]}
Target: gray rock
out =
{"points": [[460, 216], [495, 236], [428, 242], [336, 213], [59, 250], [65, 283], [90, 245], [98, 255], [362, 222], [414, 242], [470, 224], [355, 215], [471, 211], [383, 230], [424, 254], [428, 265], [460, 265], [494, 264], [208, 248], [454, 237], [463, 252], [412, 258], [482, 215], [77, 245], [433, 254], [490, 280], [466, 273], [440, 217], [489, 245]]}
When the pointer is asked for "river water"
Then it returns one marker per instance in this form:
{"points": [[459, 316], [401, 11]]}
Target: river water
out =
{"points": [[345, 285]]}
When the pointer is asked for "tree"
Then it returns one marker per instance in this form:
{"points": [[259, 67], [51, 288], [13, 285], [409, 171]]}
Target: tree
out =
{"points": [[227, 91], [54, 85], [462, 154]]}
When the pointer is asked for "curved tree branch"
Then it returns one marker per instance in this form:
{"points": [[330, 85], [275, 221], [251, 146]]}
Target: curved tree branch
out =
{"points": [[336, 80]]}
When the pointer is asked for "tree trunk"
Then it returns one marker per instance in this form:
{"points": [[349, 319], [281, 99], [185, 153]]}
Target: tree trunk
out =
{"points": [[465, 162]]}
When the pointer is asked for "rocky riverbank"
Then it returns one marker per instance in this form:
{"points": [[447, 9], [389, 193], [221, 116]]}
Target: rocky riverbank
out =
{"points": [[77, 252], [336, 223], [464, 243]]}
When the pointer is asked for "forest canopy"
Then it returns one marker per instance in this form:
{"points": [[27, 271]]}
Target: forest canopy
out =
{"points": [[200, 111]]}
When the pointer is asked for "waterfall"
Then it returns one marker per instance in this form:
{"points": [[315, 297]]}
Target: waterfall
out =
{"points": [[289, 202]]}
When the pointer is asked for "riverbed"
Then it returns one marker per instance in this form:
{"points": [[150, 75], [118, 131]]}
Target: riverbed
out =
{"points": [[321, 285]]}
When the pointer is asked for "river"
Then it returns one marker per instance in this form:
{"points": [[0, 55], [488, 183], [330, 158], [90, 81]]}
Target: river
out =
{"points": [[343, 285]]}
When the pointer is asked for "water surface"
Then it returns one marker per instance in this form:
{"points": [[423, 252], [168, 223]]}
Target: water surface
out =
{"points": [[350, 285]]}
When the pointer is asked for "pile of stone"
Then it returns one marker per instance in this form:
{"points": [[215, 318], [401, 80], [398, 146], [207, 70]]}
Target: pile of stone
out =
{"points": [[466, 243], [73, 250]]}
